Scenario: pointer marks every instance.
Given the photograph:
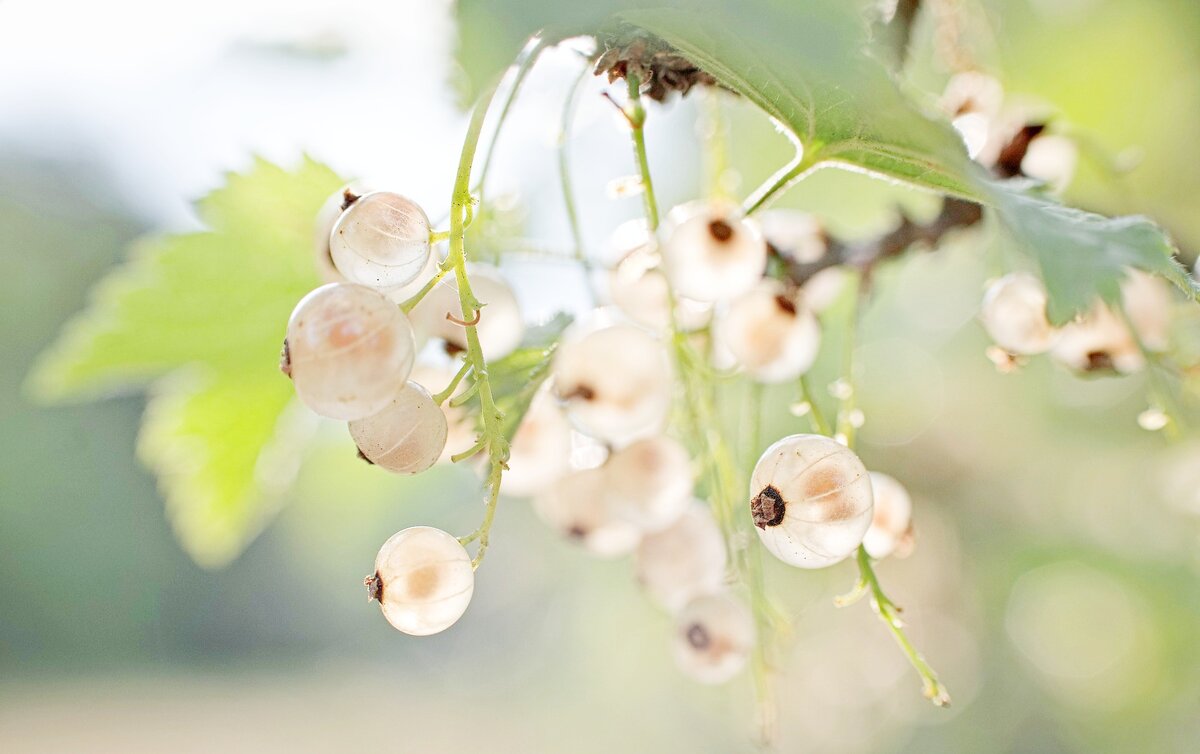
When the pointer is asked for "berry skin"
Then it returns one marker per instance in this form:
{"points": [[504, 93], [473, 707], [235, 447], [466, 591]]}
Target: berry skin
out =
{"points": [[684, 560], [615, 381], [892, 519], [973, 101], [349, 351], [796, 236], [771, 333], [407, 436], [714, 635], [1014, 315], [639, 288], [650, 482], [460, 425], [1098, 342], [500, 326], [1148, 300], [423, 580], [1051, 158], [579, 507], [381, 240], [712, 253], [540, 450], [326, 218], [811, 500]]}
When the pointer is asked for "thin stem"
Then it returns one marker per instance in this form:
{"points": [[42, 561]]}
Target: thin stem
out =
{"points": [[437, 236], [566, 123], [815, 414], [492, 439], [411, 303], [441, 397], [846, 406], [887, 610], [804, 161], [521, 67], [716, 142], [636, 113]]}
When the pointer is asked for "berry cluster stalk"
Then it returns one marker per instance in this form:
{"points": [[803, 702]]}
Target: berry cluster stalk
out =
{"points": [[491, 439], [725, 483]]}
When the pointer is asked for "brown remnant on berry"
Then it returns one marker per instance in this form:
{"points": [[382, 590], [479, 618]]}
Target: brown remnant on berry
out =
{"points": [[374, 585], [697, 635], [575, 531], [348, 198], [658, 67], [720, 230], [785, 304], [1008, 164], [768, 508], [453, 349], [581, 391], [1100, 361], [285, 359], [363, 456]]}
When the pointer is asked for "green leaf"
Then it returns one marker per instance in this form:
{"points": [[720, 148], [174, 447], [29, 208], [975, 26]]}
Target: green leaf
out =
{"points": [[806, 64], [201, 317]]}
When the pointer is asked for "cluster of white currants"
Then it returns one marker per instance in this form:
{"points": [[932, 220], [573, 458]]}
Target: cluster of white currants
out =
{"points": [[351, 354], [1102, 339], [1008, 137]]}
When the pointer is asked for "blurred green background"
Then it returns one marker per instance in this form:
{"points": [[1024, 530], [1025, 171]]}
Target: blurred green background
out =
{"points": [[1056, 582]]}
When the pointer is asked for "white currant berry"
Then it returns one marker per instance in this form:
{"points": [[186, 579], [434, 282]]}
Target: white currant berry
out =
{"points": [[714, 636], [650, 481], [499, 325], [822, 290], [1098, 341], [348, 351], [639, 288], [461, 431], [712, 253], [578, 506], [796, 236], [811, 500], [973, 101], [771, 332], [423, 580], [381, 240], [540, 450], [684, 560], [326, 218], [1149, 302], [1014, 314], [615, 381], [892, 518], [403, 293], [407, 436], [1051, 158]]}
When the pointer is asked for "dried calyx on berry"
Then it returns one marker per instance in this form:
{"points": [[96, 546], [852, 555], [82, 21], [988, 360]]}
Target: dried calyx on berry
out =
{"points": [[658, 67]]}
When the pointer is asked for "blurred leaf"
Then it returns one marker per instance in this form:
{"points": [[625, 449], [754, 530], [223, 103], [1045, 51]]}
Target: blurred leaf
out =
{"points": [[203, 314]]}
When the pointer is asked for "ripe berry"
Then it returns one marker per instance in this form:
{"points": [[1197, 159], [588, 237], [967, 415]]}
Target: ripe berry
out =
{"points": [[579, 507], [616, 382], [461, 431], [793, 235], [712, 253], [650, 482], [381, 240], [423, 580], [771, 333], [1096, 342], [892, 519], [639, 288], [327, 216], [684, 560], [407, 436], [499, 325], [1014, 314], [349, 351], [540, 449], [714, 636], [811, 500], [1051, 158], [973, 101]]}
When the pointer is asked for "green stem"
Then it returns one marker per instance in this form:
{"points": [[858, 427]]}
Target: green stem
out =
{"points": [[492, 439], [411, 303], [815, 414], [636, 113], [846, 403], [441, 397], [934, 690], [566, 123], [805, 160]]}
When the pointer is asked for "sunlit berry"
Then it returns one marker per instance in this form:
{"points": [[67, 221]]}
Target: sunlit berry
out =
{"points": [[892, 518], [714, 636], [381, 240], [1014, 314], [650, 481], [578, 506], [498, 321], [684, 560], [712, 253], [407, 436], [771, 333], [540, 450], [423, 580]]}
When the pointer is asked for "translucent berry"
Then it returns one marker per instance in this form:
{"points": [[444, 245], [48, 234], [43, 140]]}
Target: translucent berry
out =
{"points": [[407, 436], [498, 321], [1014, 314], [639, 288], [823, 289], [381, 240], [811, 501], [349, 351], [461, 431], [403, 293], [615, 381], [712, 253], [541, 448], [579, 507], [892, 518], [650, 482], [793, 235], [714, 636], [684, 560], [771, 332], [1098, 341], [1051, 158], [327, 217], [423, 580]]}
